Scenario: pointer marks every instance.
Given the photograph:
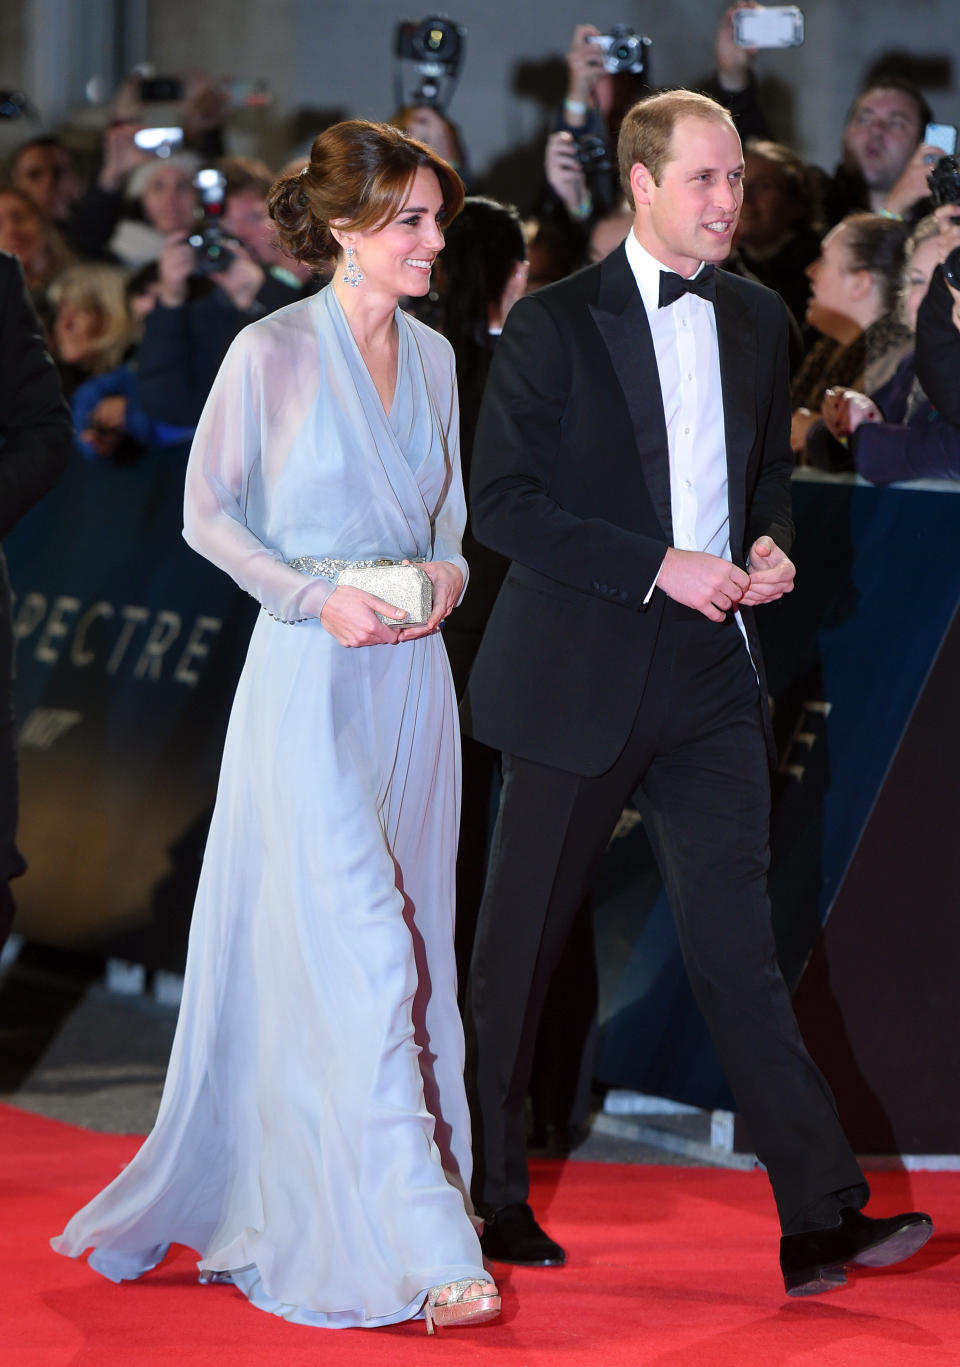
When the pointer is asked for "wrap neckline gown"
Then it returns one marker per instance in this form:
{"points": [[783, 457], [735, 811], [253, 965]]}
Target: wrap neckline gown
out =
{"points": [[313, 1136]]}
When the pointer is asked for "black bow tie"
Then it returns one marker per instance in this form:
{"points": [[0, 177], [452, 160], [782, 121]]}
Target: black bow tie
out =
{"points": [[673, 285]]}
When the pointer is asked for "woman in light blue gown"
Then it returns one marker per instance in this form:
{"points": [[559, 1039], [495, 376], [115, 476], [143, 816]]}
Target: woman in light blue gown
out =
{"points": [[313, 1138]]}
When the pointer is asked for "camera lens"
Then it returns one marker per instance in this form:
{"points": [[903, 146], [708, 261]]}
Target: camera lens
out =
{"points": [[951, 269]]}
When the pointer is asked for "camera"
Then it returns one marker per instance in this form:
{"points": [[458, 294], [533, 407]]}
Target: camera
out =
{"points": [[592, 152], [211, 246], [436, 46], [944, 181], [623, 49], [161, 89]]}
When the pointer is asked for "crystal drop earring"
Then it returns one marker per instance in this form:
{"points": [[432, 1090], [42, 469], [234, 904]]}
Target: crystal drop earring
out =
{"points": [[352, 274]]}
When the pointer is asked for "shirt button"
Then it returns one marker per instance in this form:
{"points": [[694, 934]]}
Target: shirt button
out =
{"points": [[687, 484], [689, 374], [686, 431]]}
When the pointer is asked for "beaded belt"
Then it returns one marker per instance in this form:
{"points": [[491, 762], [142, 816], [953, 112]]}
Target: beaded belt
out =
{"points": [[329, 567]]}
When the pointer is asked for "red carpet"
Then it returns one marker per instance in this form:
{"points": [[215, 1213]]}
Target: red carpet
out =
{"points": [[670, 1267]]}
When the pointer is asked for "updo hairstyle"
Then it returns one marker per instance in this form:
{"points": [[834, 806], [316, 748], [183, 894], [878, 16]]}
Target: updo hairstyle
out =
{"points": [[877, 244], [359, 172]]}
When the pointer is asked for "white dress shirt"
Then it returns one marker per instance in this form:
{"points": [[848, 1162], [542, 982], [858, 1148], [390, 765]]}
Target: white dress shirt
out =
{"points": [[688, 362]]}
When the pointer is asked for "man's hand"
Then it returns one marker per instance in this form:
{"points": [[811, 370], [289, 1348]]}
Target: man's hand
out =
{"points": [[243, 279], [733, 62], [121, 155], [705, 582], [107, 426], [912, 184], [177, 263], [428, 125], [772, 573]]}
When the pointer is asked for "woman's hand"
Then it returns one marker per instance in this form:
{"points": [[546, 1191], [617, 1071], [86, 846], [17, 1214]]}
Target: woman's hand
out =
{"points": [[447, 583], [584, 67], [843, 411], [350, 616], [564, 172]]}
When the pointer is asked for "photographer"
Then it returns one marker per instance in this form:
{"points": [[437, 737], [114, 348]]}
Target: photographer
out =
{"points": [[579, 161], [201, 306], [107, 222]]}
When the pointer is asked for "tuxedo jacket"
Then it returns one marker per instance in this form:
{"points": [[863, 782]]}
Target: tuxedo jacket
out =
{"points": [[570, 480]]}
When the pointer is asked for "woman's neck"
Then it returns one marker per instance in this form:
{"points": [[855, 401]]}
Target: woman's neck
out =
{"points": [[370, 315]]}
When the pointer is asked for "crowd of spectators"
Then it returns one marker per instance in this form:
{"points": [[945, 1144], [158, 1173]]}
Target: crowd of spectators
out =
{"points": [[139, 318]]}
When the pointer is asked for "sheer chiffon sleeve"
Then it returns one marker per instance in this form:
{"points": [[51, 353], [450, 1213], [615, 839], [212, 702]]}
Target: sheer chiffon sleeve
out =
{"points": [[226, 451], [450, 517]]}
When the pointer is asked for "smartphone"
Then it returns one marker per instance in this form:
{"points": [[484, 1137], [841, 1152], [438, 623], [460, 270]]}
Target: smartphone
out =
{"points": [[160, 141], [942, 135], [768, 26], [161, 89]]}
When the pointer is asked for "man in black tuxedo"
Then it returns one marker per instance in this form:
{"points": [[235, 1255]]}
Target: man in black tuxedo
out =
{"points": [[632, 460]]}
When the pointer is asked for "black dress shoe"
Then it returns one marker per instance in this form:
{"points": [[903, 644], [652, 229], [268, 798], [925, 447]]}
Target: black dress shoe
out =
{"points": [[512, 1235], [815, 1261]]}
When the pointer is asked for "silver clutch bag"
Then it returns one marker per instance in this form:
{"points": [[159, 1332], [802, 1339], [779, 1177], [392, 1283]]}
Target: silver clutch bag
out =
{"points": [[405, 586]]}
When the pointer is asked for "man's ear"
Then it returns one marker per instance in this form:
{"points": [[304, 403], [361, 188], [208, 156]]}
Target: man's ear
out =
{"points": [[641, 183]]}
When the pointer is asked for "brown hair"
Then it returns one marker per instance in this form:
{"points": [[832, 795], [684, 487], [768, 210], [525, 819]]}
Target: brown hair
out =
{"points": [[647, 130], [877, 244], [794, 175], [54, 255], [245, 173], [359, 172]]}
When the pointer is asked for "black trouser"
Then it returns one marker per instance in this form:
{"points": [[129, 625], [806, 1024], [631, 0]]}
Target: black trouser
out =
{"points": [[696, 758]]}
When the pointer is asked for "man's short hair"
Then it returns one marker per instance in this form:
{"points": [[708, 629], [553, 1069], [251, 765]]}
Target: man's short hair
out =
{"points": [[892, 81], [647, 130]]}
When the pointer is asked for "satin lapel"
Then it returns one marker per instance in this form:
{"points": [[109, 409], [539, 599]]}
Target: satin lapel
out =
{"points": [[622, 321], [739, 355]]}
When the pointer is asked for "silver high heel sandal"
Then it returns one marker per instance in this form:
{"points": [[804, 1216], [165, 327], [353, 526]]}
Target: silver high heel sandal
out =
{"points": [[459, 1308]]}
